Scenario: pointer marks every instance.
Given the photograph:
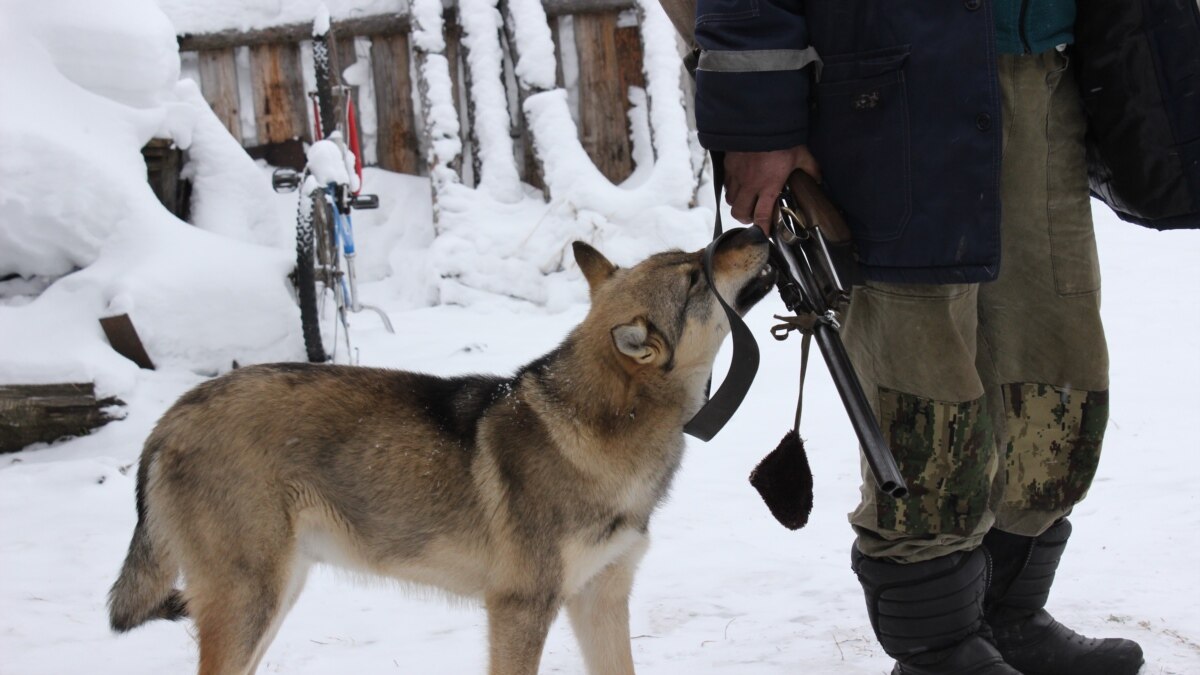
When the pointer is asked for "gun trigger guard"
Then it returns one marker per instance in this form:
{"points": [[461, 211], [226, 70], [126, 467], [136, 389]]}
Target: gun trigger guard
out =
{"points": [[796, 216]]}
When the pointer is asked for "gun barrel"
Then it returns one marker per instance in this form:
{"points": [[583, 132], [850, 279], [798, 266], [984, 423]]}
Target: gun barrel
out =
{"points": [[879, 457]]}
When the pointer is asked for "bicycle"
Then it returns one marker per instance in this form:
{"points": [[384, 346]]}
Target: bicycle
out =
{"points": [[325, 248]]}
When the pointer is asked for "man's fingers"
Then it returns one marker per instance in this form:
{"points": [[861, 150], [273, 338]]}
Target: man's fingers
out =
{"points": [[742, 209], [763, 210]]}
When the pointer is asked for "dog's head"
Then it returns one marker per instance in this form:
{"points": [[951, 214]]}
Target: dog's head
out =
{"points": [[662, 318]]}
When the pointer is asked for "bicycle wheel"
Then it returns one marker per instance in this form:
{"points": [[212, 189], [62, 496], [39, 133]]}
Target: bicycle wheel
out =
{"points": [[315, 257]]}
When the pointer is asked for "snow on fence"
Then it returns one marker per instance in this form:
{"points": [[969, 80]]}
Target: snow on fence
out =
{"points": [[547, 121], [273, 65]]}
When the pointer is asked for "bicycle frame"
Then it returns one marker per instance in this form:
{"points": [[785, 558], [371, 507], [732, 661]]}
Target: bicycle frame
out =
{"points": [[344, 241]]}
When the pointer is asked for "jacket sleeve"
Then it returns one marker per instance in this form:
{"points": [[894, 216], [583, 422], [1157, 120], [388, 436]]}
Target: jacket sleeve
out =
{"points": [[751, 81]]}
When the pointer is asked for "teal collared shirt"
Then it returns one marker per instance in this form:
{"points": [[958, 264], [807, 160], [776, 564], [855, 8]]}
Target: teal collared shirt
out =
{"points": [[1033, 26]]}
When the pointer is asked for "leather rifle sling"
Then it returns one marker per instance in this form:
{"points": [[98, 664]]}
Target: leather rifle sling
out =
{"points": [[721, 406]]}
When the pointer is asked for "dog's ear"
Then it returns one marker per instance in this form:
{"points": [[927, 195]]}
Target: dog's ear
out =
{"points": [[641, 343], [595, 267]]}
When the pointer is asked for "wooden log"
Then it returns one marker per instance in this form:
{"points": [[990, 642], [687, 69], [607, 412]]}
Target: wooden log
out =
{"points": [[397, 148], [278, 87], [219, 84], [43, 413], [603, 128], [375, 24]]}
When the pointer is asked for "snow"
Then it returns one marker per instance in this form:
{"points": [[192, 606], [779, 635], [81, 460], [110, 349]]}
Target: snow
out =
{"points": [[475, 258], [98, 47], [207, 16], [440, 115], [321, 23], [481, 29], [534, 45], [329, 161], [724, 588], [72, 183], [218, 166]]}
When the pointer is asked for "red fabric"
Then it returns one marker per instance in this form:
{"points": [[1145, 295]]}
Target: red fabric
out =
{"points": [[352, 131]]}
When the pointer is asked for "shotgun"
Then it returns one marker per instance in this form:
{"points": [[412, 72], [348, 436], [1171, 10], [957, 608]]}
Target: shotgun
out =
{"points": [[806, 230]]}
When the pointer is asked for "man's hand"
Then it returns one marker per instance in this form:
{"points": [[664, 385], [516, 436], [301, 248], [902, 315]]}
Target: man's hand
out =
{"points": [[754, 180]]}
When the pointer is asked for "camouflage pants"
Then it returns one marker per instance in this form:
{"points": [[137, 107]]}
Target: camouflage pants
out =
{"points": [[994, 397]]}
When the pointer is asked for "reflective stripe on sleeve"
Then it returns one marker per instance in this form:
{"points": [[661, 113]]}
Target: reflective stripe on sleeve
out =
{"points": [[757, 60]]}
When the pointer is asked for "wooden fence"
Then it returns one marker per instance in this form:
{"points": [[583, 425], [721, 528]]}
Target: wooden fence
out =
{"points": [[608, 53]]}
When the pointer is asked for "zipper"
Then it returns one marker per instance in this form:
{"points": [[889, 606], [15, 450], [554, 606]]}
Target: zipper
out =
{"points": [[1021, 27], [987, 577]]}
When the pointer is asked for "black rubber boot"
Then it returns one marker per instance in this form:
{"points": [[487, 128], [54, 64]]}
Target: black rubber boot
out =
{"points": [[1028, 637], [929, 615]]}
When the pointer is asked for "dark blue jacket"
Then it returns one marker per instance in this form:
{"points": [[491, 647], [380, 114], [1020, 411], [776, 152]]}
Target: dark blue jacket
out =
{"points": [[904, 119], [903, 116]]}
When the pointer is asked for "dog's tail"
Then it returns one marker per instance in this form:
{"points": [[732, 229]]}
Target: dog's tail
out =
{"points": [[145, 589]]}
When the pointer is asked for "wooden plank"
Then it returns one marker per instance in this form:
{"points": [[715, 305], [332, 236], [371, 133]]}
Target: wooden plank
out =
{"points": [[43, 413], [531, 169], [397, 147], [629, 61], [289, 153], [452, 33], [603, 128], [164, 170], [219, 84], [278, 88], [555, 28], [577, 7], [375, 24], [468, 119], [344, 56], [125, 341]]}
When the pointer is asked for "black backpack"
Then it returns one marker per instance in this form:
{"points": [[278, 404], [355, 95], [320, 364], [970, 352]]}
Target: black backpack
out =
{"points": [[1138, 67]]}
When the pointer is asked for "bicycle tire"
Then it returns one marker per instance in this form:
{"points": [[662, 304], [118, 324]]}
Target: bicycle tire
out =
{"points": [[311, 223]]}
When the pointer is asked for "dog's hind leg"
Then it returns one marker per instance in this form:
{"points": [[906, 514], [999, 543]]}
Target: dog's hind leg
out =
{"points": [[599, 616], [295, 584], [517, 628], [239, 590], [238, 620]]}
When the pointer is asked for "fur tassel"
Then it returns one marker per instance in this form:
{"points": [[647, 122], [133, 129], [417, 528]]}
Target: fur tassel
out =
{"points": [[785, 482]]}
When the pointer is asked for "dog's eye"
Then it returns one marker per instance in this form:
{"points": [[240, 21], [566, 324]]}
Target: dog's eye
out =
{"points": [[694, 279]]}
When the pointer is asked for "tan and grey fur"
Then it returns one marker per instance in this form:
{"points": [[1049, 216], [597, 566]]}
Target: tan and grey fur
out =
{"points": [[530, 492]]}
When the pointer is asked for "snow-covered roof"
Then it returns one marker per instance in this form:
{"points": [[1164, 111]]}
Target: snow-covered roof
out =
{"points": [[209, 16]]}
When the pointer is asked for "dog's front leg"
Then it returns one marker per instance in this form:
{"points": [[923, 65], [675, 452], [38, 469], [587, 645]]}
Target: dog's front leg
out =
{"points": [[517, 628], [600, 616]]}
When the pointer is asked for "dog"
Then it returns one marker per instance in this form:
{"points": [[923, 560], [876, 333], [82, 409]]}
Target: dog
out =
{"points": [[530, 492]]}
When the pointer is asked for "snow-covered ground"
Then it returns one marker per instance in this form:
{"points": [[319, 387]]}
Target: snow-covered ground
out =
{"points": [[724, 589]]}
